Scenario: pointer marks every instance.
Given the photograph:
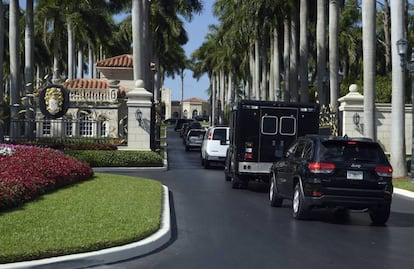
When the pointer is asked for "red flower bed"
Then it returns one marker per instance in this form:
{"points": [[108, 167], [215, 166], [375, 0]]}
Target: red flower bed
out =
{"points": [[27, 172]]}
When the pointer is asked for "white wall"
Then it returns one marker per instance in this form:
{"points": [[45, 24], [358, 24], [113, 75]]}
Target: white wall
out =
{"points": [[352, 105]]}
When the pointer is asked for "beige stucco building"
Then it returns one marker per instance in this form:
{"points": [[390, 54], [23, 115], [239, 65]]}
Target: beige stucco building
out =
{"points": [[191, 108]]}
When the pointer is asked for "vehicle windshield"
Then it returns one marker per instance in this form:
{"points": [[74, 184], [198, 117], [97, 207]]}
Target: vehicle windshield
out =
{"points": [[351, 151]]}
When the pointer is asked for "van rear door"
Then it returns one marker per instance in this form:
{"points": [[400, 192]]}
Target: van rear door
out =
{"points": [[278, 129]]}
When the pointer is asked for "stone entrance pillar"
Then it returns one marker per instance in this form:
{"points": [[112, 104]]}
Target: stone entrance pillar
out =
{"points": [[139, 117]]}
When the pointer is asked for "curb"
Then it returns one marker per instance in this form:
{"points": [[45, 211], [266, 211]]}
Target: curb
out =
{"points": [[109, 255], [403, 192]]}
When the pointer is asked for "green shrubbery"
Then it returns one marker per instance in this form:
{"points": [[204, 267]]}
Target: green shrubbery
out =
{"points": [[117, 158], [74, 143]]}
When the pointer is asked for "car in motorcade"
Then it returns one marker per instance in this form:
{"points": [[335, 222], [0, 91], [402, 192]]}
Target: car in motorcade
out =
{"points": [[188, 126], [182, 130], [214, 146], [202, 118], [260, 133], [333, 172], [179, 123], [194, 139]]}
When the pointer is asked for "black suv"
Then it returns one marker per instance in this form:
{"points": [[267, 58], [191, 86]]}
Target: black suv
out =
{"points": [[179, 123], [333, 172]]}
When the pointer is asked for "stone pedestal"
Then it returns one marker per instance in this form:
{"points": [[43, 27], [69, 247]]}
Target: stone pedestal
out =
{"points": [[352, 108], [139, 117]]}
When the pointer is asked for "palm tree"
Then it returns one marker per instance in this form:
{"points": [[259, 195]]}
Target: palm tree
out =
{"points": [[50, 14], [294, 53], [303, 51], [321, 51], [15, 82], [398, 161], [29, 71], [286, 59], [333, 52], [369, 45]]}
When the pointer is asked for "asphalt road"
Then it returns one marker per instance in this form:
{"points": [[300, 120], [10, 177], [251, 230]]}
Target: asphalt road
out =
{"points": [[215, 226]]}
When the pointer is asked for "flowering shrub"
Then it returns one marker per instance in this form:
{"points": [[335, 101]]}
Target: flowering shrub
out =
{"points": [[27, 172]]}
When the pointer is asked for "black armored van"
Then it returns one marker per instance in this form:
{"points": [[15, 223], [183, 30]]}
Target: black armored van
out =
{"points": [[260, 134]]}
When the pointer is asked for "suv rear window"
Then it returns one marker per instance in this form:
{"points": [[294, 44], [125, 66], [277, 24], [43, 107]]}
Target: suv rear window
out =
{"points": [[195, 133], [219, 134], [351, 151]]}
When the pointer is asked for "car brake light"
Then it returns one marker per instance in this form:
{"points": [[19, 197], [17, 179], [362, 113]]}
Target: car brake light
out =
{"points": [[210, 136], [384, 171], [316, 193], [321, 168], [248, 156], [352, 143]]}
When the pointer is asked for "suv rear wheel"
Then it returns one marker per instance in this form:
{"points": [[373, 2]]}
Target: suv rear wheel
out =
{"points": [[274, 198], [299, 209], [379, 216]]}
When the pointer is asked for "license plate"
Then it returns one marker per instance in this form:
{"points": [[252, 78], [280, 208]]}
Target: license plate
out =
{"points": [[356, 175]]}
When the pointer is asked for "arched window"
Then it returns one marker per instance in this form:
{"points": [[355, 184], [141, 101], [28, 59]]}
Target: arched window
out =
{"points": [[195, 113], [103, 124]]}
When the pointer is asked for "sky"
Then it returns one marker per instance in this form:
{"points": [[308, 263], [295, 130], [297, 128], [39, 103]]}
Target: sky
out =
{"points": [[197, 29]]}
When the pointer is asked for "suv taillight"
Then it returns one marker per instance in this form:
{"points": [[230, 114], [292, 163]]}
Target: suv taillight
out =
{"points": [[321, 168], [384, 171]]}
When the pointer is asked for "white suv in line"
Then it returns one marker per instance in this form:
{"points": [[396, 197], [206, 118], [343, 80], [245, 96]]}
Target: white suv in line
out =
{"points": [[215, 144]]}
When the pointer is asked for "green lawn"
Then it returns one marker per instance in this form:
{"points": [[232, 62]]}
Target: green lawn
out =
{"points": [[106, 211], [403, 183]]}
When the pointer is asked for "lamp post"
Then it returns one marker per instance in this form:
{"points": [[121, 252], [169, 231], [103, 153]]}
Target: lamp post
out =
{"points": [[402, 45]]}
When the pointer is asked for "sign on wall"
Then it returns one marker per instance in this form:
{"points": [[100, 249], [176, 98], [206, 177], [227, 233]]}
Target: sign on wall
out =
{"points": [[54, 101]]}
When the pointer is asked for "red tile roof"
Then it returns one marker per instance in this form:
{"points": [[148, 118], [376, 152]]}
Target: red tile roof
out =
{"points": [[124, 60], [93, 83], [194, 99], [86, 83]]}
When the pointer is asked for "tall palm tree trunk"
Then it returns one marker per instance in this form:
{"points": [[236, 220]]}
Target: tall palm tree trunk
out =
{"points": [[293, 56], [397, 138], [321, 51], [286, 59], [276, 65], [137, 37], [80, 63], [14, 68], [303, 52], [387, 35], [71, 51], [91, 60], [333, 52], [29, 71], [257, 68], [369, 50]]}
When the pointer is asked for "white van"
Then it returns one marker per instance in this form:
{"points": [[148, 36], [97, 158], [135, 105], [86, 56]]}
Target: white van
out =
{"points": [[214, 146]]}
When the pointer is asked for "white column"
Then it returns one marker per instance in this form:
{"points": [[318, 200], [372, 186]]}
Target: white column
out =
{"points": [[139, 131]]}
